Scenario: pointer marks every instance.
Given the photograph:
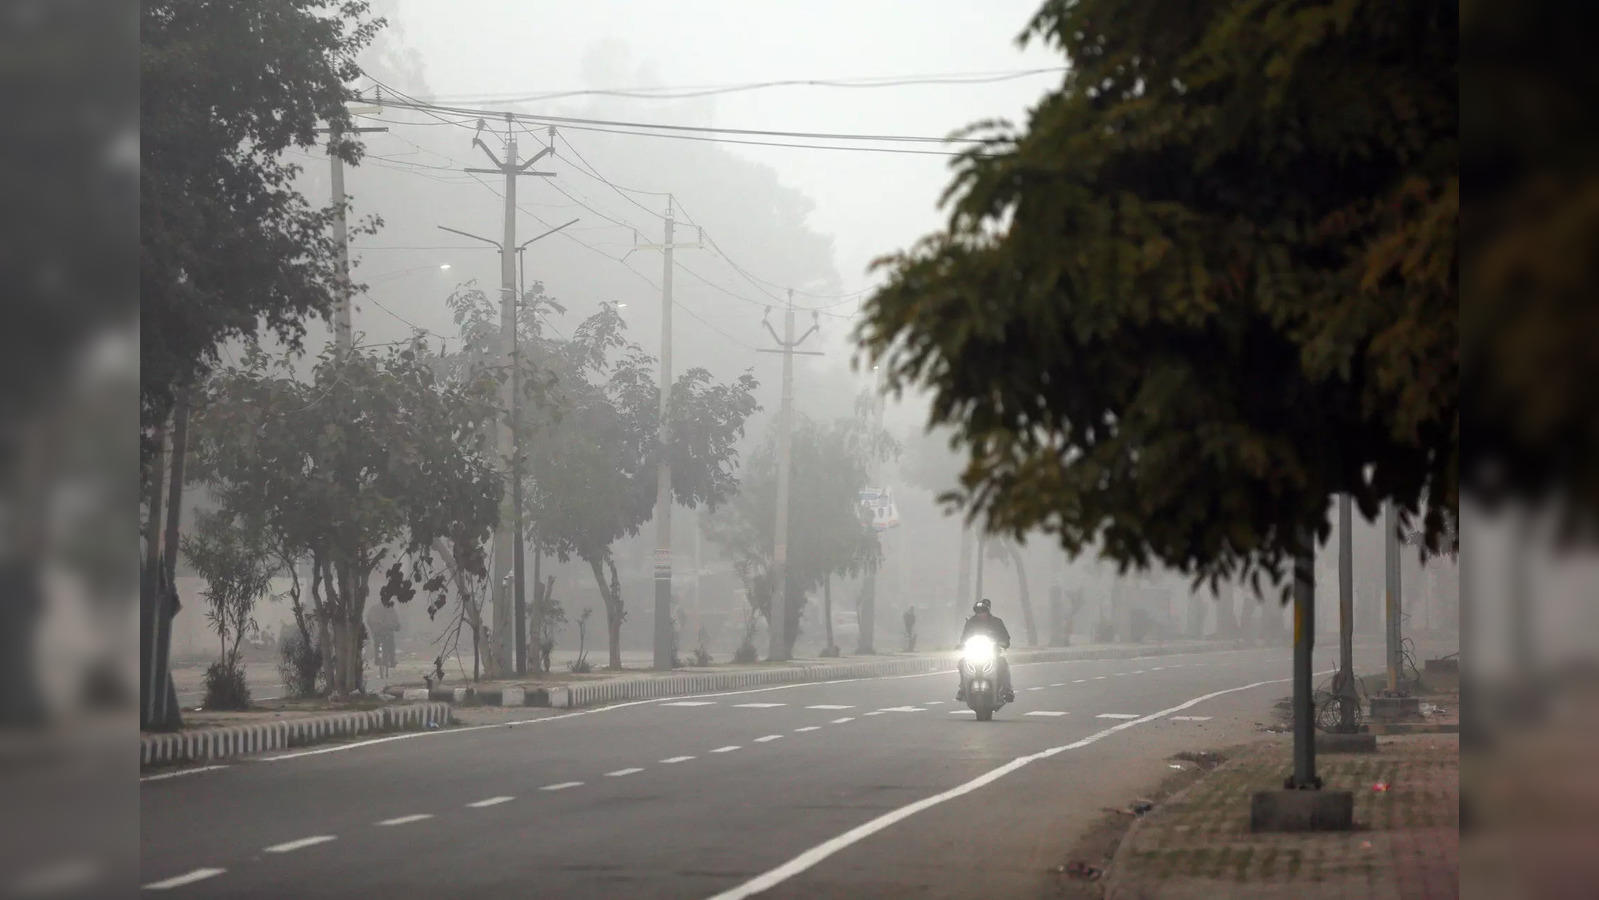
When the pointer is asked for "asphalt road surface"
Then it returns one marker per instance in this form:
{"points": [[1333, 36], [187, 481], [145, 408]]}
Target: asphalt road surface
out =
{"points": [[879, 787]]}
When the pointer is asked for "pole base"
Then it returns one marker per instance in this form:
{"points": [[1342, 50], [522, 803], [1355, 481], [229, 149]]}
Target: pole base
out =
{"points": [[1301, 810], [1395, 709]]}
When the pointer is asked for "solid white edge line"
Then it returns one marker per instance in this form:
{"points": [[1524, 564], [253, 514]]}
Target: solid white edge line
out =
{"points": [[181, 880], [179, 774], [816, 854], [302, 843]]}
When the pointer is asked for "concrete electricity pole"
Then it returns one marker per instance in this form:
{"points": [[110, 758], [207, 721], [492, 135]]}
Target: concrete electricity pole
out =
{"points": [[778, 647], [506, 582], [1304, 776], [663, 475], [341, 232], [1346, 615], [1390, 529]]}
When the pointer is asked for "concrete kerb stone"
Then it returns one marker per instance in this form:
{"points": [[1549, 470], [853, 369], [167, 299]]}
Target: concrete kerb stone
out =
{"points": [[212, 744]]}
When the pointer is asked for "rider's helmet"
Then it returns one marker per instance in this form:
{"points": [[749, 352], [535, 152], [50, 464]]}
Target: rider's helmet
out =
{"points": [[982, 606]]}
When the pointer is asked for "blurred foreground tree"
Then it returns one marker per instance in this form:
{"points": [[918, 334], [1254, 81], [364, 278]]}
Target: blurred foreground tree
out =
{"points": [[1212, 284]]}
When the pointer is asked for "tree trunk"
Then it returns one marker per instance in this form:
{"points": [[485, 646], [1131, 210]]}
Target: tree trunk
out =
{"points": [[827, 608], [963, 586], [613, 612], [1195, 618], [322, 610], [866, 615], [1026, 598], [1226, 613], [152, 698]]}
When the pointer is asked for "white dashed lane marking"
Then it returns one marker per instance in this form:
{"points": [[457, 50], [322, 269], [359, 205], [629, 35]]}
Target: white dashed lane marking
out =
{"points": [[301, 844], [1046, 712], [961, 712], [829, 706], [405, 820], [561, 785], [1078, 680], [676, 759], [492, 801], [181, 880], [842, 720], [810, 728], [1035, 688], [620, 772], [1099, 678], [1058, 684], [728, 749], [758, 705], [691, 703], [769, 737], [933, 703], [1117, 716], [901, 709], [1190, 718]]}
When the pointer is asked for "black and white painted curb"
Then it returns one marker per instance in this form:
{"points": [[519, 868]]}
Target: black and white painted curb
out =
{"points": [[208, 744]]}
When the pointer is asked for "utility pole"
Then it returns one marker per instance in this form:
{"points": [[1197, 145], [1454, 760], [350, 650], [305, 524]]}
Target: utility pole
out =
{"points": [[663, 474], [1304, 776], [1347, 696], [778, 647], [341, 232], [516, 454], [1390, 528], [506, 583]]}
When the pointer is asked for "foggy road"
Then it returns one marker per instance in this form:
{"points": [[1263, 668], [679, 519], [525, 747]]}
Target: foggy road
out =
{"points": [[712, 795]]}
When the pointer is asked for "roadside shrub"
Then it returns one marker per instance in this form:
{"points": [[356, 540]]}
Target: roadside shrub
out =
{"points": [[225, 687], [580, 666], [746, 653], [299, 664]]}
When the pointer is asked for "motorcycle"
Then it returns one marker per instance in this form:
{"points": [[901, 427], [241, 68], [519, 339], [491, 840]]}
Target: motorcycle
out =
{"points": [[979, 666]]}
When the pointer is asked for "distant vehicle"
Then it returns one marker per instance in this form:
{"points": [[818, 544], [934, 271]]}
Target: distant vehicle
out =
{"points": [[979, 665]]}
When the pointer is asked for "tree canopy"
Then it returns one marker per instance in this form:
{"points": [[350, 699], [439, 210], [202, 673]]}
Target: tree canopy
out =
{"points": [[226, 243], [376, 452], [1211, 284]]}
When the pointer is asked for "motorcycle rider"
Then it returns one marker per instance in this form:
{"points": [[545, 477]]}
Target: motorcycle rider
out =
{"points": [[983, 621]]}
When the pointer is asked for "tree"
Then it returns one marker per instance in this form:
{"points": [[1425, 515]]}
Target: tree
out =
{"points": [[236, 561], [376, 457], [226, 244], [827, 533], [594, 447], [1210, 286]]}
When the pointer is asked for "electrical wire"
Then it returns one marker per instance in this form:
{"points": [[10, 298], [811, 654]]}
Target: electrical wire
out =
{"points": [[623, 263], [691, 91], [620, 191]]}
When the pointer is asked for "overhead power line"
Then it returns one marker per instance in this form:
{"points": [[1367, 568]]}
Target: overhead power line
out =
{"points": [[691, 91]]}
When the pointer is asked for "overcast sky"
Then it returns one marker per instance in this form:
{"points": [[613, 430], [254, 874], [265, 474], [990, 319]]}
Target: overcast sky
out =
{"points": [[869, 203]]}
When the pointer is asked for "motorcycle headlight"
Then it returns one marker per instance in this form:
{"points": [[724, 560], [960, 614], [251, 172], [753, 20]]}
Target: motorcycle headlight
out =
{"points": [[978, 650]]}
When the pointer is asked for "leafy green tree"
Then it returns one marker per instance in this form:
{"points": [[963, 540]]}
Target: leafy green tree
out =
{"points": [[375, 453], [827, 536], [590, 434], [226, 243], [236, 560], [1209, 286]]}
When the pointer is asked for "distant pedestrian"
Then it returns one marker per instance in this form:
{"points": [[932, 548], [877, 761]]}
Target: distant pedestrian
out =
{"points": [[910, 629], [383, 623]]}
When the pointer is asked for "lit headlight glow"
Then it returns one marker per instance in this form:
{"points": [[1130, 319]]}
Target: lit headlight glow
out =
{"points": [[978, 650]]}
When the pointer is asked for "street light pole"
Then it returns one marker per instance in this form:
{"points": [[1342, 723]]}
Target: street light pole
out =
{"points": [[510, 327]]}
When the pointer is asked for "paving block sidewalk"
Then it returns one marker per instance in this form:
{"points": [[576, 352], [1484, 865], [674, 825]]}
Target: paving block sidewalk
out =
{"points": [[1406, 843]]}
